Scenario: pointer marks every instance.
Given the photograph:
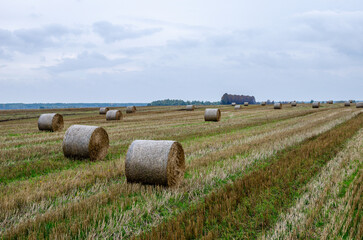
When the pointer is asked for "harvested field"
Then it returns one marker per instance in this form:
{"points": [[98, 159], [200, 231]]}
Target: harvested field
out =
{"points": [[44, 194]]}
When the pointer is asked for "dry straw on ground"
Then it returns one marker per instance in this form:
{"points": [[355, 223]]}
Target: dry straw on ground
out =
{"points": [[359, 105], [155, 162], [293, 104], [190, 108], [50, 122], [263, 103], [316, 104], [113, 115], [237, 107], [81, 141], [130, 109], [212, 114], [104, 110], [277, 106], [245, 104], [347, 104]]}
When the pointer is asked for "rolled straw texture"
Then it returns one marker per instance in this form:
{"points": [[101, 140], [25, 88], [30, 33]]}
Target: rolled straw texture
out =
{"points": [[155, 162], [316, 104], [277, 106], [104, 110], [50, 122], [190, 108], [113, 115], [130, 109], [82, 141], [212, 114]]}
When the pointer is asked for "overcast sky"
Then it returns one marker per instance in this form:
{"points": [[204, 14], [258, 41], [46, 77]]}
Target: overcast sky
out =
{"points": [[145, 50]]}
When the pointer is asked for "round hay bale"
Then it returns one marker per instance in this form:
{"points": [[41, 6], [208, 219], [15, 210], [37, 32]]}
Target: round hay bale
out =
{"points": [[347, 104], [263, 103], [245, 104], [130, 109], [330, 102], [316, 104], [359, 105], [155, 162], [113, 115], [212, 114], [237, 107], [82, 141], [50, 122], [104, 110], [277, 106], [293, 104], [233, 104], [190, 108]]}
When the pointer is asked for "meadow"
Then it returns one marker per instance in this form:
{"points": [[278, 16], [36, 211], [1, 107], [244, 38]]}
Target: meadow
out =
{"points": [[259, 173]]}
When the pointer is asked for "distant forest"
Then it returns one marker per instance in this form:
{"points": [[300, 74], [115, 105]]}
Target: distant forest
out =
{"points": [[226, 99], [5, 106]]}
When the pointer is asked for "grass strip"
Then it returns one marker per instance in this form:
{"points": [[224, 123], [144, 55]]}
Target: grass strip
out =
{"points": [[246, 207]]}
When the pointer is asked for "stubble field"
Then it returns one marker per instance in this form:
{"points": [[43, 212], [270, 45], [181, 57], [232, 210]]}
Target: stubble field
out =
{"points": [[258, 173]]}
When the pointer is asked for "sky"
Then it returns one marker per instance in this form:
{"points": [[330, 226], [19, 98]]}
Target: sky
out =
{"points": [[142, 50]]}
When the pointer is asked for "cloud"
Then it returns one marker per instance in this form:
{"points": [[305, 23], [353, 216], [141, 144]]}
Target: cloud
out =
{"points": [[84, 61], [4, 55], [112, 33], [35, 39], [183, 43], [339, 30]]}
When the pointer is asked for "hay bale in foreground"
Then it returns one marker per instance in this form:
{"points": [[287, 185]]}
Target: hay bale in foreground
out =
{"points": [[50, 122], [104, 110], [130, 109], [347, 104], [237, 107], [233, 104], [293, 104], [277, 106], [263, 103], [316, 104], [330, 102], [190, 108], [212, 114], [113, 115], [359, 105], [245, 104], [155, 162], [82, 141]]}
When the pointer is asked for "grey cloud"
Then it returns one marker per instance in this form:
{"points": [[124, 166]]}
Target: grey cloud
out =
{"points": [[83, 61], [183, 43], [35, 39], [4, 55], [112, 33], [319, 40], [342, 31]]}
